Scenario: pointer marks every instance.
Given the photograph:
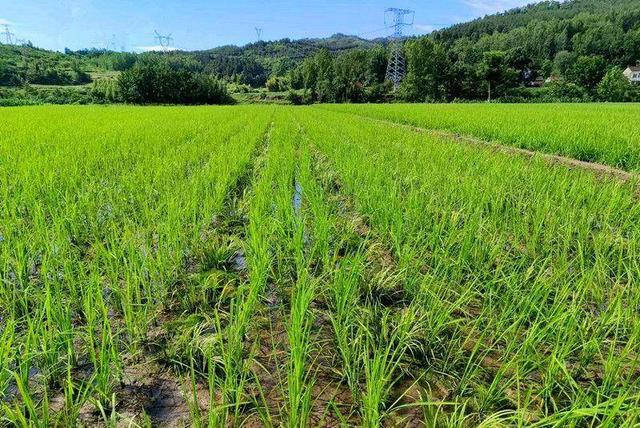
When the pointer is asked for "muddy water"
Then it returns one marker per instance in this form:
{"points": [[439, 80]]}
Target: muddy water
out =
{"points": [[297, 198], [239, 261]]}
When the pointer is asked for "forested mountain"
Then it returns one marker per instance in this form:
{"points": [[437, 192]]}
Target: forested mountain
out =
{"points": [[254, 63], [542, 11], [577, 47]]}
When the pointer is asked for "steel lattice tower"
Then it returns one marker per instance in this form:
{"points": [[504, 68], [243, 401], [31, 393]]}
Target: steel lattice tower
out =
{"points": [[165, 42], [397, 69], [8, 34]]}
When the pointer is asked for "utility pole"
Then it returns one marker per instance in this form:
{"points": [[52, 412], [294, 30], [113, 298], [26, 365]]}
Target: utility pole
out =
{"points": [[164, 42], [259, 33], [8, 35], [401, 18]]}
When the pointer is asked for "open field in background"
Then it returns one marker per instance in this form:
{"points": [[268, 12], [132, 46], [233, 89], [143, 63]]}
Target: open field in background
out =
{"points": [[280, 266], [603, 133]]}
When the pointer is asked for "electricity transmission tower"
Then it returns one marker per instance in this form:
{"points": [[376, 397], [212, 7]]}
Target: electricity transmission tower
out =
{"points": [[259, 33], [164, 42], [401, 18], [112, 44], [8, 35]]}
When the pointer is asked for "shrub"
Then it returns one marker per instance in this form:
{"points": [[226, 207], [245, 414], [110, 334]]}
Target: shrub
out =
{"points": [[106, 91], [277, 84], [154, 80], [615, 87]]}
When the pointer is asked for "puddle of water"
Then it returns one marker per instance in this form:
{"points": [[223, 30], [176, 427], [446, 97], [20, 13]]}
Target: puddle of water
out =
{"points": [[602, 309], [297, 197], [239, 261], [297, 208], [12, 392]]}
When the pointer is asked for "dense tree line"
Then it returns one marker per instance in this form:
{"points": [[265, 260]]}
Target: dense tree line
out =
{"points": [[104, 59], [353, 76], [157, 79]]}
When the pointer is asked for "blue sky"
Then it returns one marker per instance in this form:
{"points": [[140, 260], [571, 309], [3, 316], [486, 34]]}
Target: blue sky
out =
{"points": [[202, 24]]}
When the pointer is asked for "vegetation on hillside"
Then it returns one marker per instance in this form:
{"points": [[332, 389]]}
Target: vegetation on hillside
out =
{"points": [[576, 50], [20, 65]]}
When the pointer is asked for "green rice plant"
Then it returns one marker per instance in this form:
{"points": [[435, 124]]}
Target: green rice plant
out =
{"points": [[604, 133], [514, 249], [388, 338], [7, 333], [379, 262], [112, 218], [299, 383], [345, 294]]}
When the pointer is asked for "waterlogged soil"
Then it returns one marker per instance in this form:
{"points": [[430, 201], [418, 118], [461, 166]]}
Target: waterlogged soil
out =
{"points": [[148, 391]]}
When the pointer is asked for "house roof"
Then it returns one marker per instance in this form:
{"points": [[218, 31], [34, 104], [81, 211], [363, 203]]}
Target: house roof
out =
{"points": [[634, 68]]}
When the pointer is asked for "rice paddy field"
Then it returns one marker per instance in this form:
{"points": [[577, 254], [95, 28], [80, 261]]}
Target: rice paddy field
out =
{"points": [[319, 266]]}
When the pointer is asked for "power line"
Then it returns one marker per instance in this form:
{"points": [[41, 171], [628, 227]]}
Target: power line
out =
{"points": [[402, 18]]}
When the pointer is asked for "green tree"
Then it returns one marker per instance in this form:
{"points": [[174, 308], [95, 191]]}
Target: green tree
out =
{"points": [[351, 71], [309, 72], [156, 79], [278, 84], [563, 63], [496, 73], [427, 71], [603, 38], [325, 90], [615, 87], [588, 71]]}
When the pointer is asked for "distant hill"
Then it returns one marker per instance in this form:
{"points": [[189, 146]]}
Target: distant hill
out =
{"points": [[255, 62], [295, 49]]}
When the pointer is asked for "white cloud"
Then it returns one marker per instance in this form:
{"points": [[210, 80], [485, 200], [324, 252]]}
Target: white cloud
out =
{"points": [[157, 48], [5, 22], [493, 6]]}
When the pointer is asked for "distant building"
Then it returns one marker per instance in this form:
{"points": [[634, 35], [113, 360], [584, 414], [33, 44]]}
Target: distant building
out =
{"points": [[537, 83], [633, 73]]}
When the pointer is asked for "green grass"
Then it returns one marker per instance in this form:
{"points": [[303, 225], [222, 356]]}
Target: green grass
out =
{"points": [[304, 267]]}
